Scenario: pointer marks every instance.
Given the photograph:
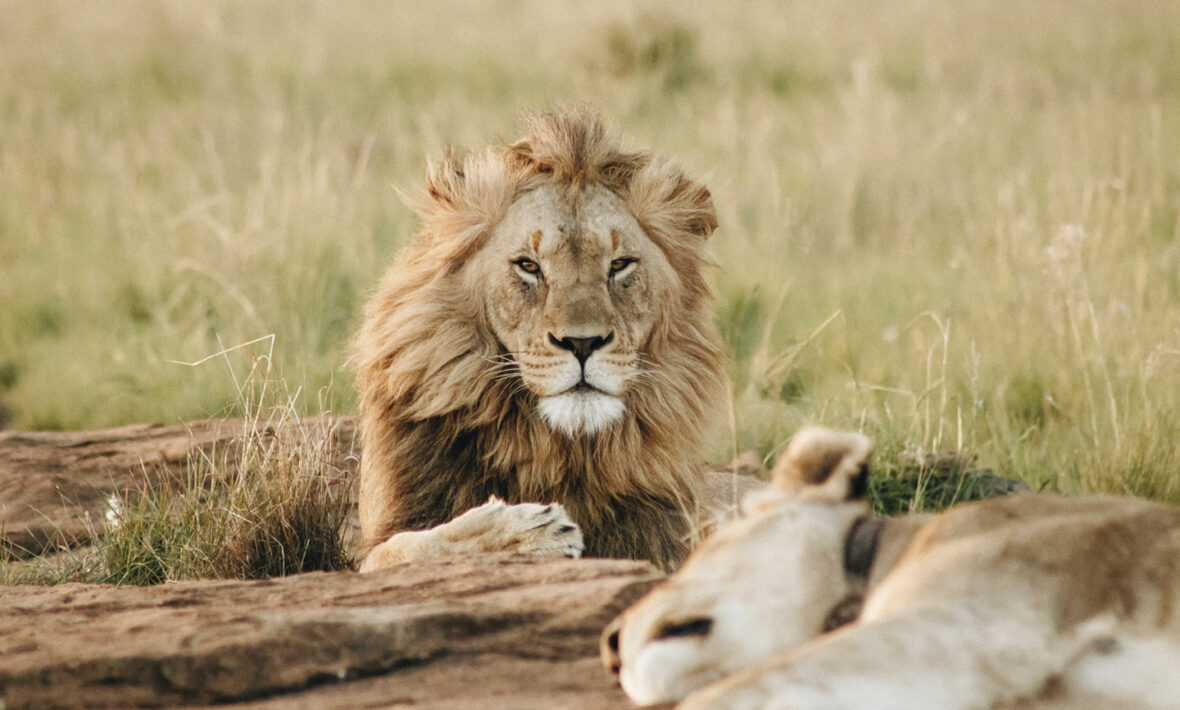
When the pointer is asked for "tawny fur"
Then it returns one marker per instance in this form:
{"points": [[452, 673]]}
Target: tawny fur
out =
{"points": [[441, 432], [1035, 601]]}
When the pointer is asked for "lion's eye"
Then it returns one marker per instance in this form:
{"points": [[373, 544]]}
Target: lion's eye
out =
{"points": [[528, 266], [619, 265]]}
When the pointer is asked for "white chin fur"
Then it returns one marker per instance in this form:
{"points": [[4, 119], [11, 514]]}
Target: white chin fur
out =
{"points": [[580, 412]]}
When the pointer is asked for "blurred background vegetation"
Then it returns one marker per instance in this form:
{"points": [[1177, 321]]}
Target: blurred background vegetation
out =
{"points": [[953, 225]]}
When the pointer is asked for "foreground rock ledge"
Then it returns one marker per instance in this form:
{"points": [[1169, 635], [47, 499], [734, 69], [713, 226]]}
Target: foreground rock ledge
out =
{"points": [[494, 632]]}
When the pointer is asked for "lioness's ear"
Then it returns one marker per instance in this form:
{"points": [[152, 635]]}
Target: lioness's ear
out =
{"points": [[824, 465]]}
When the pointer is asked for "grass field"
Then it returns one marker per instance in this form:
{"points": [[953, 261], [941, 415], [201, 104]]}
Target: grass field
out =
{"points": [[950, 224]]}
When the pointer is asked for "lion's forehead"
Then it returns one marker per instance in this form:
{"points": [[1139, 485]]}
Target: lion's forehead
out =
{"points": [[539, 207], [603, 213], [593, 223]]}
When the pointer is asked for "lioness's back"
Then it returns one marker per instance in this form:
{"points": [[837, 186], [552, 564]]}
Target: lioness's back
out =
{"points": [[1099, 554]]}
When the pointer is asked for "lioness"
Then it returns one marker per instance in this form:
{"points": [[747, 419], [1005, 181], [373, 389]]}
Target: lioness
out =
{"points": [[808, 602], [548, 337]]}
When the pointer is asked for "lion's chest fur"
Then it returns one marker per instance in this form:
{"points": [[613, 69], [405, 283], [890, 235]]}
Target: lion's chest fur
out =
{"points": [[625, 508]]}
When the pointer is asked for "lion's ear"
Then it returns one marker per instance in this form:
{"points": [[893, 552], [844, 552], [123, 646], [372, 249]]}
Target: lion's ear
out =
{"points": [[700, 216], [824, 465], [667, 202], [444, 179], [464, 195]]}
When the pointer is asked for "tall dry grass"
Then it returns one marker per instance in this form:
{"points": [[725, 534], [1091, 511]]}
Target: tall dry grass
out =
{"points": [[275, 500], [953, 225], [271, 504]]}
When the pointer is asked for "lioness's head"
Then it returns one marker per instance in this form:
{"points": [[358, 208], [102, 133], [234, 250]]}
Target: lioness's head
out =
{"points": [[761, 585], [583, 256]]}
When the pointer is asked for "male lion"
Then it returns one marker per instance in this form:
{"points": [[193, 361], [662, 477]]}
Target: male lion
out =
{"points": [[547, 337], [809, 603]]}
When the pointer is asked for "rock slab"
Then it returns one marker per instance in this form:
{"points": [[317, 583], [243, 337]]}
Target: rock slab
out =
{"points": [[481, 633]]}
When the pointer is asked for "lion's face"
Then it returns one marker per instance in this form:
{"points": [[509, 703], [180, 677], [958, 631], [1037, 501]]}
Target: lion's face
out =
{"points": [[758, 587], [572, 288]]}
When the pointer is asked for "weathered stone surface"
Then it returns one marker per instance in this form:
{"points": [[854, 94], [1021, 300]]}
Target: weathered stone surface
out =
{"points": [[497, 632], [51, 481], [494, 632]]}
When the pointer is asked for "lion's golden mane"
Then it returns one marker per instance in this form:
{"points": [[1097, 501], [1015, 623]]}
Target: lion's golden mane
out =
{"points": [[441, 432]]}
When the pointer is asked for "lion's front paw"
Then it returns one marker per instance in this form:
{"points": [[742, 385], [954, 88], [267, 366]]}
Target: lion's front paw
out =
{"points": [[495, 526], [528, 528]]}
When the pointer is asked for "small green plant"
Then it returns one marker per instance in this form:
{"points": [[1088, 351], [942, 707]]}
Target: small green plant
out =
{"points": [[896, 492]]}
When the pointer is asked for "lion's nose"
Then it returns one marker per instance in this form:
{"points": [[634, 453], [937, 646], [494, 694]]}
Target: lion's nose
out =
{"points": [[582, 348]]}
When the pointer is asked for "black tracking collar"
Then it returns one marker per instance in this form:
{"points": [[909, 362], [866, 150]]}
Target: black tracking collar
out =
{"points": [[860, 547], [860, 551]]}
